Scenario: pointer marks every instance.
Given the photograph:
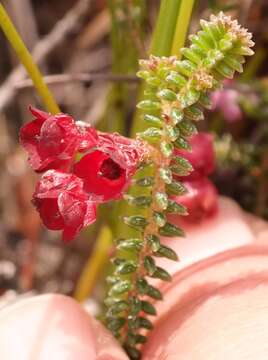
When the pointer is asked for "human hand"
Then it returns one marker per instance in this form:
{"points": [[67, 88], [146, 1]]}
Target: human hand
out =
{"points": [[213, 309]]}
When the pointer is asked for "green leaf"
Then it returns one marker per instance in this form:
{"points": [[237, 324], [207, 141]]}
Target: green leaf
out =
{"points": [[142, 286], [189, 98], [134, 305], [176, 188], [161, 274], [187, 128], [191, 55], [132, 352], [145, 182], [159, 218], [182, 144], [185, 67], [140, 339], [143, 74], [234, 63], [135, 221], [127, 267], [171, 230], [148, 308], [154, 293], [112, 279], [149, 265], [175, 78], [167, 95], [120, 287], [130, 244], [167, 252], [205, 101], [153, 120], [225, 70], [176, 208], [152, 135], [153, 241], [172, 132], [161, 200], [141, 201], [166, 148], [153, 81], [115, 324], [166, 175], [149, 105], [118, 307], [183, 163], [178, 170], [176, 115], [144, 323], [194, 113]]}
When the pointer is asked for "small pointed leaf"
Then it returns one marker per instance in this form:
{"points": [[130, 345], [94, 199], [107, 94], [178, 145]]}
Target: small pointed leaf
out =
{"points": [[148, 308], [167, 252], [176, 208], [171, 230], [161, 274], [149, 265], [135, 221], [176, 188]]}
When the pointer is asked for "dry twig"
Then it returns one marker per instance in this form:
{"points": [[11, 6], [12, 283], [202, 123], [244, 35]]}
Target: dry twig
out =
{"points": [[78, 77], [43, 48]]}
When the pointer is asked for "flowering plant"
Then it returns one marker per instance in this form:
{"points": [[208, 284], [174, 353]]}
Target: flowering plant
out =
{"points": [[83, 167]]}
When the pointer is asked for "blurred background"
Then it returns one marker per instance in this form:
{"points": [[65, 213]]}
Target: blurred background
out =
{"points": [[88, 51]]}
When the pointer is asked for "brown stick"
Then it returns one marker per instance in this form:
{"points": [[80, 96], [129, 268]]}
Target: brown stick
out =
{"points": [[78, 77]]}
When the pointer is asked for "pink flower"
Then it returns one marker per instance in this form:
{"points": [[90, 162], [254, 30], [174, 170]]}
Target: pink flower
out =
{"points": [[52, 140], [63, 204], [226, 100], [201, 200], [201, 157]]}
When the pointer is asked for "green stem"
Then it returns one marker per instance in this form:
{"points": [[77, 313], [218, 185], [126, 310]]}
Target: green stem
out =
{"points": [[27, 60], [182, 25], [165, 26]]}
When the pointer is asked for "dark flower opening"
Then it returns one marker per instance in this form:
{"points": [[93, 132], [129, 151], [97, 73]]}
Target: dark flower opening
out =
{"points": [[110, 169]]}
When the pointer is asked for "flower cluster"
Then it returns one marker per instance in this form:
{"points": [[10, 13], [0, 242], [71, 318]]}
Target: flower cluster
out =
{"points": [[82, 168], [201, 197]]}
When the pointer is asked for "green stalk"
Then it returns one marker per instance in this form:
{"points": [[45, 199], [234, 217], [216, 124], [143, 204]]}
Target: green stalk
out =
{"points": [[165, 26], [182, 25], [165, 37], [27, 60]]}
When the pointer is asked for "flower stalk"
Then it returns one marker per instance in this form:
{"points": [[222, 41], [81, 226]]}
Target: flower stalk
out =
{"points": [[176, 93]]}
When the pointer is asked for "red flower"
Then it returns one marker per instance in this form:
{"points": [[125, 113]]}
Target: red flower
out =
{"points": [[201, 157], [201, 200], [107, 172], [101, 175], [63, 204], [52, 140], [124, 151]]}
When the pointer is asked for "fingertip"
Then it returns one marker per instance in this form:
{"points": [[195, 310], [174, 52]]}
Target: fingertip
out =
{"points": [[54, 327]]}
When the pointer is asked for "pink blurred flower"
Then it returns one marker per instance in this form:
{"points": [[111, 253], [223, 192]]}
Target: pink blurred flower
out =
{"points": [[201, 200], [201, 157], [226, 100]]}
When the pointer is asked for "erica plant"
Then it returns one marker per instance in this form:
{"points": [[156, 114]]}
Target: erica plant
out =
{"points": [[176, 92], [83, 167]]}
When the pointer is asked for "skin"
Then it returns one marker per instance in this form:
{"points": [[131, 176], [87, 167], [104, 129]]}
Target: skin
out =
{"points": [[215, 308]]}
